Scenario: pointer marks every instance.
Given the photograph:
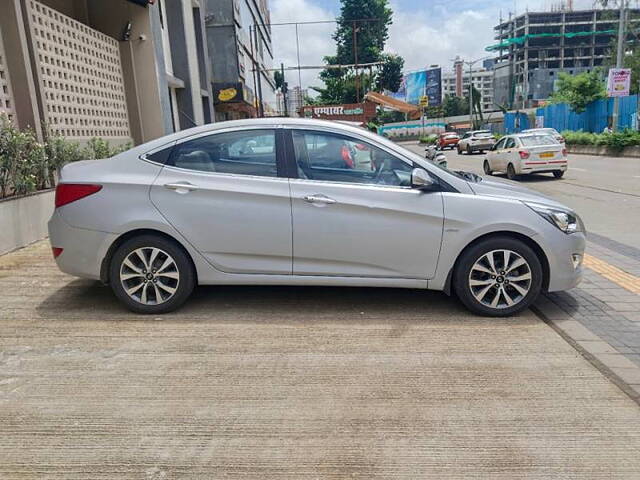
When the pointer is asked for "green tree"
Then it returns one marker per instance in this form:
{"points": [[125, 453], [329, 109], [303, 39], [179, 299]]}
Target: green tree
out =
{"points": [[579, 90], [453, 106], [361, 33], [390, 75]]}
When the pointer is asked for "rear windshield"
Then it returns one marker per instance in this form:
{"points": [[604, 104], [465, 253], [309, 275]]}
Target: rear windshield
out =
{"points": [[482, 134], [451, 135], [538, 140]]}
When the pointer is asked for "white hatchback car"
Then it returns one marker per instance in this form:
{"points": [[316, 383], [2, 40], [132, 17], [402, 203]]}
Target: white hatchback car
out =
{"points": [[527, 153]]}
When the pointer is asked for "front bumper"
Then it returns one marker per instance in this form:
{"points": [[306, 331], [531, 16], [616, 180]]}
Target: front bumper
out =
{"points": [[83, 250], [563, 274]]}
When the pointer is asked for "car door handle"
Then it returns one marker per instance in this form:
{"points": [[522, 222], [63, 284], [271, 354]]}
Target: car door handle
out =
{"points": [[181, 187], [319, 199]]}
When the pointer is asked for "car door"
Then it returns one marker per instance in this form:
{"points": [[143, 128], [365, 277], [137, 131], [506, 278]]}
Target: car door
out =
{"points": [[508, 152], [493, 155], [359, 219], [223, 193]]}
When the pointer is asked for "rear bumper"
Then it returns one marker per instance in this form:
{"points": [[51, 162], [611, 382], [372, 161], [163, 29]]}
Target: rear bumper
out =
{"points": [[83, 250], [485, 146], [543, 167]]}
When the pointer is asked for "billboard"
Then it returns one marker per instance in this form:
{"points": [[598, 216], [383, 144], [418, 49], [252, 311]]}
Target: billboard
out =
{"points": [[415, 83], [619, 82], [433, 88]]}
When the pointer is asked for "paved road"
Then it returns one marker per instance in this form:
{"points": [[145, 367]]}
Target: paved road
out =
{"points": [[604, 191], [293, 383]]}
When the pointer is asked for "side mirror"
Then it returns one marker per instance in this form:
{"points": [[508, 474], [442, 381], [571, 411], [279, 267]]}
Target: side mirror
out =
{"points": [[421, 180]]}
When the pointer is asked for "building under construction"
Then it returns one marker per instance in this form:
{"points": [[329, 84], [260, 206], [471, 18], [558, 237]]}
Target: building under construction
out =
{"points": [[533, 48]]}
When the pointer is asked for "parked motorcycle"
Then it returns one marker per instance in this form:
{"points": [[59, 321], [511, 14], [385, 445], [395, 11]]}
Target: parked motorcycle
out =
{"points": [[436, 156]]}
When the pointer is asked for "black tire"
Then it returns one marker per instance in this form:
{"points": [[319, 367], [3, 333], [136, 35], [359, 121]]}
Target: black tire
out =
{"points": [[469, 257], [558, 173], [511, 172], [184, 285], [459, 150], [469, 151], [487, 168]]}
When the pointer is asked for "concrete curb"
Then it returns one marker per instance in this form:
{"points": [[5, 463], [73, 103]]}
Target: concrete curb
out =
{"points": [[614, 365], [632, 152]]}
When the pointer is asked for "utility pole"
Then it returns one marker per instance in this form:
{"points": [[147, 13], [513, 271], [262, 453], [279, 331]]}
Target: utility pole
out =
{"points": [[355, 57], [622, 35]]}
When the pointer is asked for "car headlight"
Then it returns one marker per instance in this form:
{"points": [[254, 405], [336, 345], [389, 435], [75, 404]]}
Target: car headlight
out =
{"points": [[565, 220]]}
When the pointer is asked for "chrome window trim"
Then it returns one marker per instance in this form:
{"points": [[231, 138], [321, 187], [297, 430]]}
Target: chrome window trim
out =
{"points": [[196, 136], [145, 155]]}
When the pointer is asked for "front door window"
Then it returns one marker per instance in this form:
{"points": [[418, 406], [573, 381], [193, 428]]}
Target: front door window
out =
{"points": [[330, 157]]}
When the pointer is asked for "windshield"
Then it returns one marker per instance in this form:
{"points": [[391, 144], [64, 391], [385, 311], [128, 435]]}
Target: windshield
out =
{"points": [[538, 140]]}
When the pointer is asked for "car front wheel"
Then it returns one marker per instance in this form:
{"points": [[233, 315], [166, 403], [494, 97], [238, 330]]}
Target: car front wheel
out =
{"points": [[150, 274], [487, 168], [498, 277]]}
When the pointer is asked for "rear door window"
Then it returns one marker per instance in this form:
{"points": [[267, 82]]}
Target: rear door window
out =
{"points": [[247, 152]]}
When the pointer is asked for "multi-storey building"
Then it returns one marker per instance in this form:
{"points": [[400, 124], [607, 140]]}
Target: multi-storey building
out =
{"points": [[123, 70], [456, 83], [295, 101], [239, 38], [533, 48]]}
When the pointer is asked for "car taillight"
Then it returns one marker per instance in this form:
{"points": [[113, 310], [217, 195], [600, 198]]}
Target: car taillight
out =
{"points": [[524, 154], [70, 192], [564, 152], [57, 251]]}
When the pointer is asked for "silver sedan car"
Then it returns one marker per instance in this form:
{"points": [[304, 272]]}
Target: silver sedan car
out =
{"points": [[305, 202]]}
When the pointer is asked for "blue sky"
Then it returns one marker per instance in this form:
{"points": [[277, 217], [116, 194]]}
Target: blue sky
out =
{"points": [[424, 32]]}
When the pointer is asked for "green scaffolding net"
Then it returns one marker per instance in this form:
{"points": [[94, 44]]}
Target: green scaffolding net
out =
{"points": [[520, 40]]}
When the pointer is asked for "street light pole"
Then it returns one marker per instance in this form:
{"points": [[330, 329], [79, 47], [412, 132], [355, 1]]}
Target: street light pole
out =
{"points": [[619, 58], [471, 94]]}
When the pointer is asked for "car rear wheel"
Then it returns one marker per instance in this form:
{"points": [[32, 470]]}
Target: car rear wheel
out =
{"points": [[498, 277], [511, 172], [487, 168], [558, 173], [151, 275]]}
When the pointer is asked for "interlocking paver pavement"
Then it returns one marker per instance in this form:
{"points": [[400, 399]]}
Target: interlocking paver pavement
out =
{"points": [[290, 383]]}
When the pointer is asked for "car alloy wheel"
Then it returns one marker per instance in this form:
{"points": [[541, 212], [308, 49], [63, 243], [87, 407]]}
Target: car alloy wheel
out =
{"points": [[500, 279], [149, 276]]}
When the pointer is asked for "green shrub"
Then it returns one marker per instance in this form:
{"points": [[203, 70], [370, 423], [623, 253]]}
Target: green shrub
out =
{"points": [[27, 165], [615, 141], [428, 139]]}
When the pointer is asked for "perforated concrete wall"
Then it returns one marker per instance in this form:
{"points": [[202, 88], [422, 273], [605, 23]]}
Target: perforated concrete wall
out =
{"points": [[80, 77]]}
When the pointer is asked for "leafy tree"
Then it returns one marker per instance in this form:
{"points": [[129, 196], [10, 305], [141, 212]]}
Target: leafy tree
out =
{"points": [[369, 20], [579, 90], [362, 31], [278, 78], [453, 106], [390, 75]]}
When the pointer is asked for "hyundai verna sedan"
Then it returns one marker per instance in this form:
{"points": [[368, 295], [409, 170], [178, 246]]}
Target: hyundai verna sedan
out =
{"points": [[305, 202]]}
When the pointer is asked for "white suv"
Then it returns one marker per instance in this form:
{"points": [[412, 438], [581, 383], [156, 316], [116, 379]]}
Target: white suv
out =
{"points": [[476, 141]]}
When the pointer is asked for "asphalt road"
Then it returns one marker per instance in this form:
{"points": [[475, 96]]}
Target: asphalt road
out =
{"points": [[605, 191], [291, 383]]}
